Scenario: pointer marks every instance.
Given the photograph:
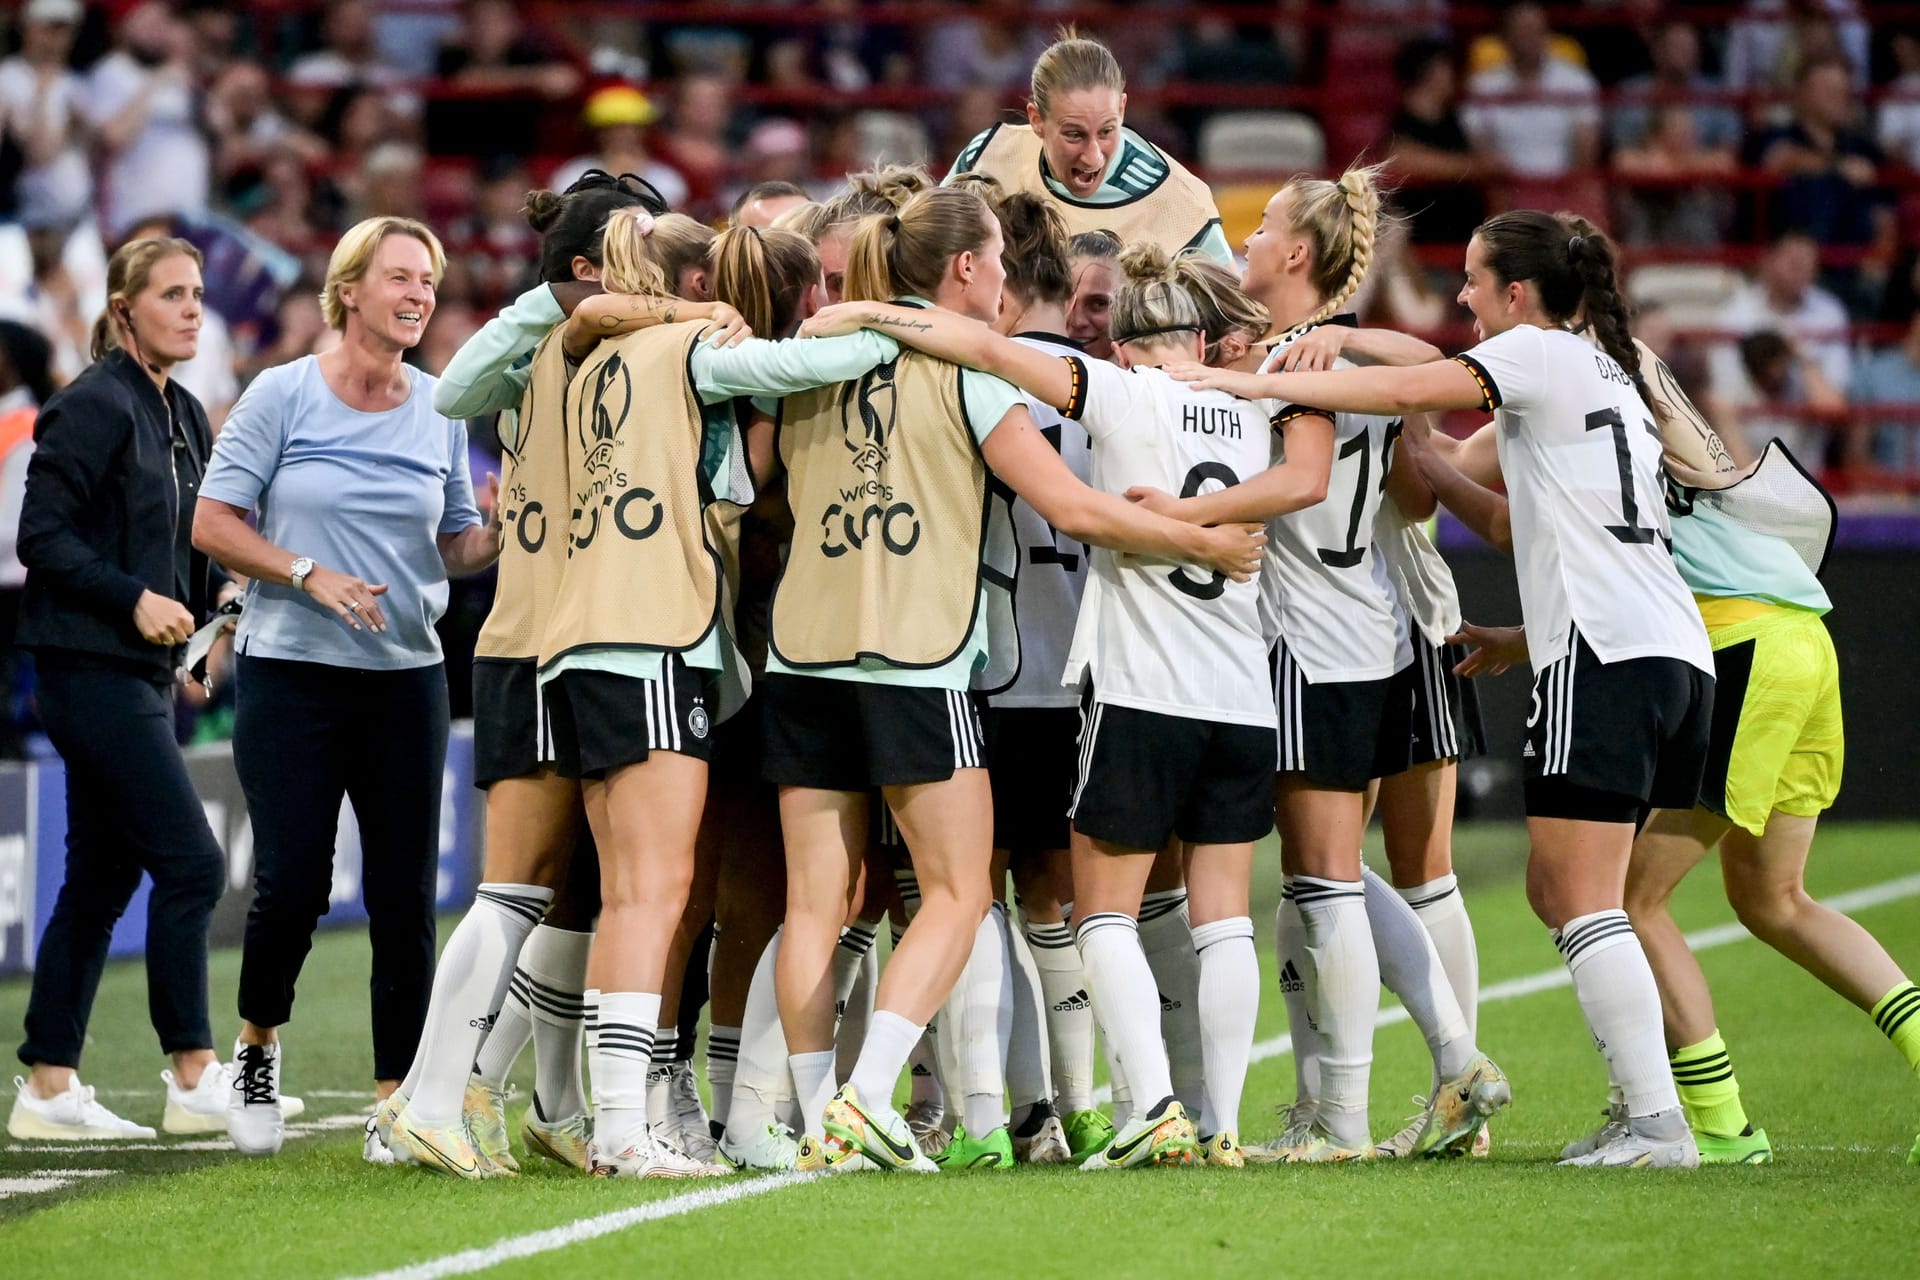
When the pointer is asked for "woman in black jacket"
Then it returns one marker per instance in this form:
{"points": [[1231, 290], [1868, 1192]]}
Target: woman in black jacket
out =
{"points": [[114, 588]]}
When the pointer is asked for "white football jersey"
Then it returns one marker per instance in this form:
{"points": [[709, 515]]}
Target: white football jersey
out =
{"points": [[1052, 572], [1591, 544], [1422, 584], [1323, 588], [1153, 634]]}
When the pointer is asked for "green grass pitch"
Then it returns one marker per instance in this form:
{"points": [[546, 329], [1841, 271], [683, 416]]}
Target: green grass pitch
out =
{"points": [[1841, 1108]]}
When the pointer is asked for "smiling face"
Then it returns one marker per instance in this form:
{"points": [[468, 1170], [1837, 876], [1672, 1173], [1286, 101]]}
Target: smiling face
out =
{"points": [[979, 278], [164, 318], [1090, 313], [1495, 306], [1080, 136], [393, 301], [1273, 244]]}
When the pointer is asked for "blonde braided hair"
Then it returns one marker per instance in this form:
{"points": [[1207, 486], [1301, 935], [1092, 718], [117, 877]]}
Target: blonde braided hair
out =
{"points": [[1343, 220]]}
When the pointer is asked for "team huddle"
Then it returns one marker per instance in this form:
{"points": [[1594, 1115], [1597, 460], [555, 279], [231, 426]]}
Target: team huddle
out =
{"points": [[996, 563]]}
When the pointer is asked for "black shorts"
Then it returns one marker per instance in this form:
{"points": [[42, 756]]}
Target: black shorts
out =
{"points": [[1446, 709], [599, 721], [506, 720], [739, 743], [1342, 734], [1144, 776], [1031, 755], [845, 735], [1610, 741]]}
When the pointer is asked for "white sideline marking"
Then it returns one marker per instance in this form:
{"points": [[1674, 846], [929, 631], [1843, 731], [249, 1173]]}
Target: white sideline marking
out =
{"points": [[470, 1260], [43, 1180], [514, 1247], [1719, 935]]}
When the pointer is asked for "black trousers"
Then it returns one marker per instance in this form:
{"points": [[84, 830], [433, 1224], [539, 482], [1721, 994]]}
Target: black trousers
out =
{"points": [[306, 735], [131, 811]]}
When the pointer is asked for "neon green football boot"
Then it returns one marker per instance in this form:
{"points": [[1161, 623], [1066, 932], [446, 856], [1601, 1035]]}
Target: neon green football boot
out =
{"points": [[995, 1151], [1088, 1132], [1750, 1147]]}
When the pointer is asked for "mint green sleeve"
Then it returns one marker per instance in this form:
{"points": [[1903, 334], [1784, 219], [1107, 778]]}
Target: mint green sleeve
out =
{"points": [[758, 367], [968, 157], [1213, 243], [481, 377], [987, 399]]}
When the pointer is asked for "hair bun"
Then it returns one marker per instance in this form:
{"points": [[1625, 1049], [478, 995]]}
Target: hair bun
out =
{"points": [[544, 209], [1573, 248]]}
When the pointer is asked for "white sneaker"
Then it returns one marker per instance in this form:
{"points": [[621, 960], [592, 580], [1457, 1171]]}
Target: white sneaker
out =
{"points": [[688, 1126], [254, 1119], [650, 1157], [203, 1108], [72, 1116], [1612, 1130], [379, 1146], [773, 1148], [373, 1147], [1656, 1142], [1047, 1146]]}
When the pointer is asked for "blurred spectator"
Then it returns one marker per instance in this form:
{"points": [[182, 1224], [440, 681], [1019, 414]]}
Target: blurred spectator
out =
{"points": [[248, 130], [213, 37], [349, 56], [763, 202], [495, 241], [140, 100], [1436, 164], [1674, 81], [495, 55], [391, 181], [1769, 45], [695, 140], [973, 111], [1494, 50], [1785, 300], [409, 38], [1831, 167], [847, 55], [619, 115], [777, 151], [1785, 394], [54, 280], [1899, 132], [1537, 114], [1625, 47], [1674, 200], [1891, 376], [42, 111], [994, 49], [25, 383]]}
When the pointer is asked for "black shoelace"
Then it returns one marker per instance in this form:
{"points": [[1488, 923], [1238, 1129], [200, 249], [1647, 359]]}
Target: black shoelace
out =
{"points": [[256, 1076]]}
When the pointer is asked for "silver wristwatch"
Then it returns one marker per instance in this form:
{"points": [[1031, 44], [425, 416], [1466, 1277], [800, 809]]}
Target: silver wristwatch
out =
{"points": [[298, 573]]}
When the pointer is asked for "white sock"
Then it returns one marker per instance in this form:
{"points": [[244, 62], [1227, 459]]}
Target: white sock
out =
{"points": [[1617, 993], [813, 1084], [1441, 908], [666, 1047], [1290, 952], [547, 996], [855, 972], [1126, 1001], [1028, 1080], [624, 1027], [1166, 935], [1342, 976], [1069, 1010], [723, 1056], [890, 1041], [469, 988], [762, 1082], [1229, 1005], [975, 1023], [924, 1084], [1411, 969]]}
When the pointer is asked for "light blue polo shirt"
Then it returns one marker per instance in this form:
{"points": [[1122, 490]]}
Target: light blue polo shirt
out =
{"points": [[361, 493]]}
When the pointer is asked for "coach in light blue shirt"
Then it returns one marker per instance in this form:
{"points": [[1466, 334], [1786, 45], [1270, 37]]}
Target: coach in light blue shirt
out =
{"points": [[364, 508]]}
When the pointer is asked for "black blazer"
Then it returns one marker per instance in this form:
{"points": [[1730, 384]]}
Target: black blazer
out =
{"points": [[98, 524]]}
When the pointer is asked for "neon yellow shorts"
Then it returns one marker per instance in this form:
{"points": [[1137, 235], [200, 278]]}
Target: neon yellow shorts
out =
{"points": [[1778, 741]]}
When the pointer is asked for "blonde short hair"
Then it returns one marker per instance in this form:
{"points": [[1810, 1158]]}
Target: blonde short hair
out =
{"points": [[354, 255]]}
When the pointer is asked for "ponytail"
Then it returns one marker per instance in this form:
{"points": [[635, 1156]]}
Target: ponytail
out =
{"points": [[638, 250], [763, 275], [1152, 304], [1342, 219], [1601, 304], [907, 252]]}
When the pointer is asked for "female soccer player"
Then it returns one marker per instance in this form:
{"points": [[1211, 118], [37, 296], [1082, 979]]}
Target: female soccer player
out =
{"points": [[1076, 151], [1177, 739], [533, 814], [1623, 672], [875, 641]]}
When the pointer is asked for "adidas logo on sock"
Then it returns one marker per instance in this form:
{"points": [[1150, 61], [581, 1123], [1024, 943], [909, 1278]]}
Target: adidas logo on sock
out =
{"points": [[1168, 1004], [484, 1023], [1526, 752], [1078, 1002], [920, 1071], [1290, 979]]}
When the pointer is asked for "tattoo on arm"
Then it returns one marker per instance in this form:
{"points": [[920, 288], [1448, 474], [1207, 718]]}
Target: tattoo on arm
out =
{"points": [[892, 322], [671, 313]]}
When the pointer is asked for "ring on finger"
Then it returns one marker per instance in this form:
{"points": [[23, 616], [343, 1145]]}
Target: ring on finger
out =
{"points": [[354, 605]]}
